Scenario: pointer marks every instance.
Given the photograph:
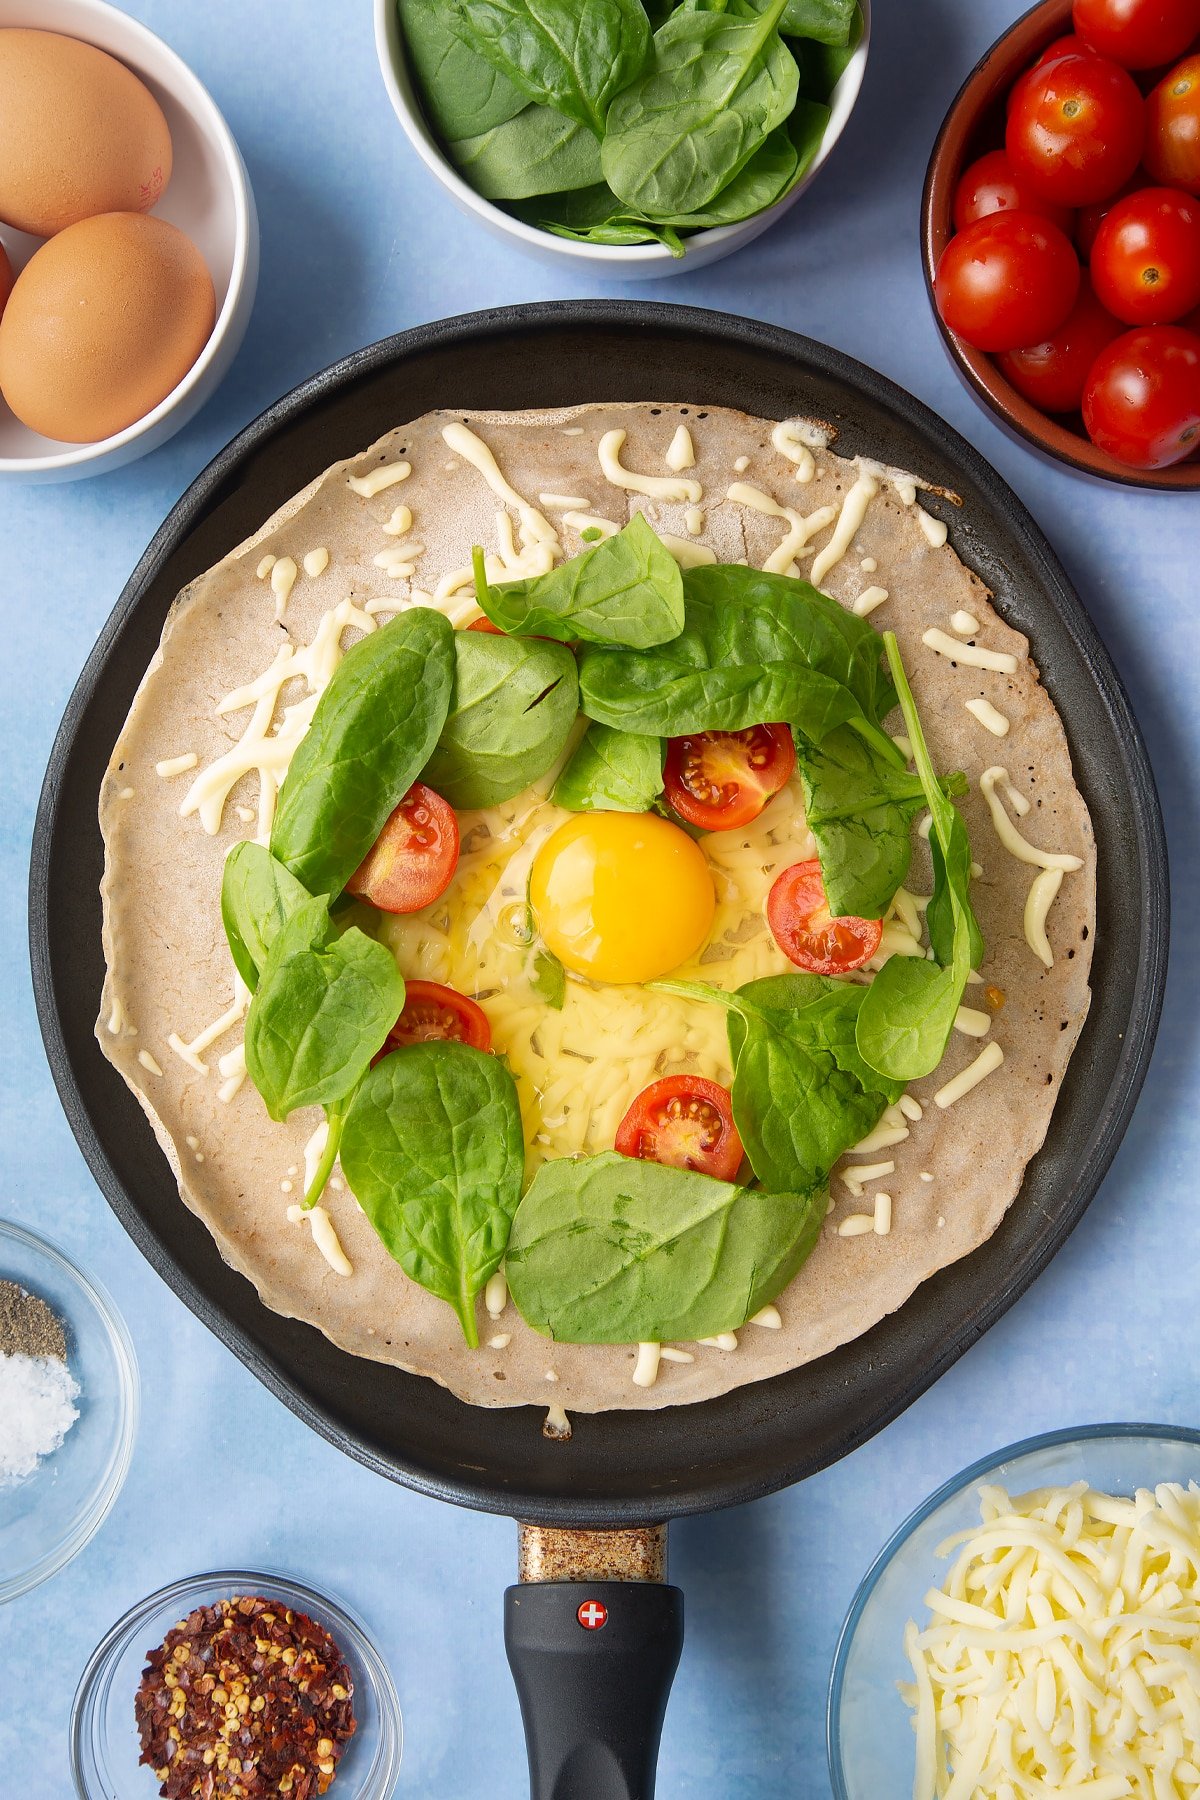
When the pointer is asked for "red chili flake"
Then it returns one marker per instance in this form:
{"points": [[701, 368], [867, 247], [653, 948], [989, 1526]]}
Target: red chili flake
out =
{"points": [[243, 1700]]}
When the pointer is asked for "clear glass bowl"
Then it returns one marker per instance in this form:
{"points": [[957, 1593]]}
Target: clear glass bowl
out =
{"points": [[46, 1519], [104, 1739], [870, 1739]]}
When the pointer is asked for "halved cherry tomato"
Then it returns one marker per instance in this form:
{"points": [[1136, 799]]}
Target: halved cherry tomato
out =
{"points": [[989, 186], [1053, 375], [1007, 280], [1173, 127], [485, 624], [1075, 130], [721, 779], [807, 932], [1142, 400], [1146, 258], [1139, 34], [685, 1122], [436, 1014], [414, 857]]}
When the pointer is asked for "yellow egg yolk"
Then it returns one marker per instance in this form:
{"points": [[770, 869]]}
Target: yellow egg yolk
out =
{"points": [[621, 897]]}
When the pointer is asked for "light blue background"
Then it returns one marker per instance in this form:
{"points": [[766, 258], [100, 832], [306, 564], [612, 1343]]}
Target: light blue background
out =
{"points": [[357, 243]]}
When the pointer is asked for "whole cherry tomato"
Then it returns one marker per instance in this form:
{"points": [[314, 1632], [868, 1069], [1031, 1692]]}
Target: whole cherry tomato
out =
{"points": [[1007, 280], [1076, 128], [1173, 127], [1089, 218], [1146, 257], [1142, 400], [989, 186], [1139, 34], [1053, 375], [1062, 46]]}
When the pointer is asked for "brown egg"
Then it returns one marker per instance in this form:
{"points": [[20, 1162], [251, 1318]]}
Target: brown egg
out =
{"points": [[6, 278], [79, 134], [102, 323]]}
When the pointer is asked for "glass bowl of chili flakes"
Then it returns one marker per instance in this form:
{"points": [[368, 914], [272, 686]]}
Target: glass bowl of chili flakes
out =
{"points": [[105, 1742]]}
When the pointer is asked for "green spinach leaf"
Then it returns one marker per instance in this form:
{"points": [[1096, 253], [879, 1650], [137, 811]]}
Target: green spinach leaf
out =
{"points": [[514, 703], [766, 177], [908, 1015], [594, 215], [716, 88], [323, 1008], [460, 91], [626, 590], [611, 771], [549, 979], [825, 21], [258, 897], [612, 1250], [859, 806], [538, 152], [433, 1150], [571, 57], [802, 1094], [821, 66], [372, 733]]}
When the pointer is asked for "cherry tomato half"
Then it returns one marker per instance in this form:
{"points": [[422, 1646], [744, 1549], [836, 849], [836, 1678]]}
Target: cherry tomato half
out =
{"points": [[1075, 129], [1146, 257], [1173, 127], [721, 779], [434, 1014], [685, 1122], [1007, 280], [1139, 34], [807, 932], [485, 624], [1053, 374], [1142, 400], [989, 186], [414, 857]]}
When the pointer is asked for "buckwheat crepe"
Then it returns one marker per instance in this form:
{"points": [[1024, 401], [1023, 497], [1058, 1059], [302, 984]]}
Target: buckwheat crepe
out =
{"points": [[169, 971]]}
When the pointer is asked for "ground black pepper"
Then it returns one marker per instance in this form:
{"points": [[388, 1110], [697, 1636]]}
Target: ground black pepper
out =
{"points": [[28, 1327]]}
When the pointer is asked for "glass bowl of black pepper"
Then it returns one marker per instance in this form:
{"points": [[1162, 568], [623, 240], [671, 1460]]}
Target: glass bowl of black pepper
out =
{"points": [[229, 1626], [68, 1408]]}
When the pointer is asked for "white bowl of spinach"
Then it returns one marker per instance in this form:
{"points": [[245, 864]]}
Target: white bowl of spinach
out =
{"points": [[647, 135]]}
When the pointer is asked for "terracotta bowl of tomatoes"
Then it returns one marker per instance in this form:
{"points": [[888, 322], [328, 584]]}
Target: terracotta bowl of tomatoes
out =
{"points": [[1060, 229]]}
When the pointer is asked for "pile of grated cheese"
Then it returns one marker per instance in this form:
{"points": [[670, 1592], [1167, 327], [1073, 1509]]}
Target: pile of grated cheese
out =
{"points": [[1062, 1659]]}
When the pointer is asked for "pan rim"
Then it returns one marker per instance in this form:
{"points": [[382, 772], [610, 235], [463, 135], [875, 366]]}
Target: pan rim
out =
{"points": [[702, 1490]]}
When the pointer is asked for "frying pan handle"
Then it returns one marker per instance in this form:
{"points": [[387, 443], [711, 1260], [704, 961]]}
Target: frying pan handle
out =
{"points": [[593, 1663]]}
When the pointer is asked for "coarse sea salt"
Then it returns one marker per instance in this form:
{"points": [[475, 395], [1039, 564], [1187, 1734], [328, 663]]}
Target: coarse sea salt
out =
{"points": [[37, 1409]]}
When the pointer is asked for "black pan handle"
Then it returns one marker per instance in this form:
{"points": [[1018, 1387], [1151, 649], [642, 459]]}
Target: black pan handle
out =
{"points": [[593, 1663]]}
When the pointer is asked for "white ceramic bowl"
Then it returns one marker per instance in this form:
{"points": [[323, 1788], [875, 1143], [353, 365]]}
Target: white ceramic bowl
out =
{"points": [[208, 197], [619, 262]]}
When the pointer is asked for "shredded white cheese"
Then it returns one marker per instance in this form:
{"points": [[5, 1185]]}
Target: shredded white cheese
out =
{"points": [[1009, 836], [856, 1225], [283, 580], [316, 562], [265, 565], [868, 600], [400, 523], [324, 1236], [495, 1294], [725, 1340], [1043, 891], [176, 765], [687, 554], [936, 530], [148, 1062], [376, 480], [882, 1220], [500, 1341], [658, 487], [575, 502], [680, 451], [989, 716], [782, 561], [969, 655], [534, 527], [965, 623], [593, 522], [796, 439], [693, 520], [853, 512], [768, 1317], [988, 1060], [645, 1369], [971, 1022]]}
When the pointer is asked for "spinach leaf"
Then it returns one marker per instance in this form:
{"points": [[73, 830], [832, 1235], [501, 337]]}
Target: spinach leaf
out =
{"points": [[802, 1094], [623, 230], [371, 734], [611, 771], [258, 897], [460, 91], [716, 88], [766, 177], [538, 152], [514, 703], [826, 21], [564, 55], [433, 1150], [755, 649], [549, 980], [821, 66], [611, 1250], [806, 128], [908, 1015], [626, 590], [859, 806], [323, 1008]]}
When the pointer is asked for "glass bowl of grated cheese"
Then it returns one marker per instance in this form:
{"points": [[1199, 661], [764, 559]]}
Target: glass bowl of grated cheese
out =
{"points": [[1033, 1628], [68, 1408]]}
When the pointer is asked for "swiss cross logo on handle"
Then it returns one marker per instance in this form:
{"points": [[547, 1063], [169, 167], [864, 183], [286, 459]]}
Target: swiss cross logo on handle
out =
{"points": [[592, 1615]]}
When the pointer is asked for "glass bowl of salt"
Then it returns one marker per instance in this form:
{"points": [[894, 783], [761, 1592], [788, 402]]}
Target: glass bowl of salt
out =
{"points": [[68, 1408]]}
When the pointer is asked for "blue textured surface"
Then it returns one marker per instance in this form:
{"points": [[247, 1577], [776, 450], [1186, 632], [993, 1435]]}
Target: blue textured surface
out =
{"points": [[358, 243]]}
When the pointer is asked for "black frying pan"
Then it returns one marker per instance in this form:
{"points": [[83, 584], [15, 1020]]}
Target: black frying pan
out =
{"points": [[591, 1739]]}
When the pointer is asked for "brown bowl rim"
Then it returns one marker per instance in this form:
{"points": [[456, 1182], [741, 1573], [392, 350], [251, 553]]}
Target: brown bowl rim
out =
{"points": [[1014, 49]]}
